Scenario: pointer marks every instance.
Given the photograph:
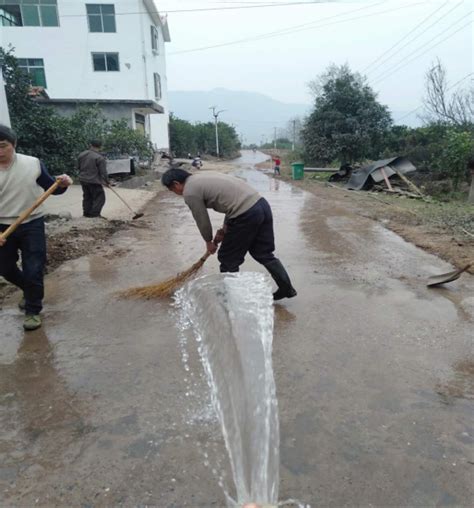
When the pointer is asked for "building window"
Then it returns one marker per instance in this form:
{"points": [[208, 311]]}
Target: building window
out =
{"points": [[35, 68], [101, 17], [140, 122], [107, 62], [157, 80], [29, 13], [154, 39]]}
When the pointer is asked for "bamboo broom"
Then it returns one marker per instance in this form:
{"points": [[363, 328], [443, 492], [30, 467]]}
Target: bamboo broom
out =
{"points": [[168, 286]]}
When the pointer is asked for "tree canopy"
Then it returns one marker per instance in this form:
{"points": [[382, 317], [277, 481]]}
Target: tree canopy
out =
{"points": [[347, 122], [186, 137]]}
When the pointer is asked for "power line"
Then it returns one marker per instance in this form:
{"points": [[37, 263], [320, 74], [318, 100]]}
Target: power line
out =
{"points": [[403, 38], [207, 9], [417, 37], [270, 34], [404, 62], [259, 6], [447, 90], [297, 28]]}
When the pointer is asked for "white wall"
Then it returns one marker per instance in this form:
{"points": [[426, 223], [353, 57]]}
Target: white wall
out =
{"points": [[66, 51]]}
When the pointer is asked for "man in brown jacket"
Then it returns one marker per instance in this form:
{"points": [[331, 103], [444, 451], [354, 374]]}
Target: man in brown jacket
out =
{"points": [[92, 168], [248, 223]]}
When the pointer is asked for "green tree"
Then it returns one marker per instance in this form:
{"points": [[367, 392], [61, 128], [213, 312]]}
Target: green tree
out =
{"points": [[182, 137], [457, 150], [347, 122], [188, 138]]}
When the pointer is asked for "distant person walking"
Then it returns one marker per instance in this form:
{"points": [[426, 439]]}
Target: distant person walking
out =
{"points": [[277, 164], [92, 168]]}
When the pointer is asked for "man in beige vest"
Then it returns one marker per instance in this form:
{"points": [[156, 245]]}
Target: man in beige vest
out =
{"points": [[22, 180]]}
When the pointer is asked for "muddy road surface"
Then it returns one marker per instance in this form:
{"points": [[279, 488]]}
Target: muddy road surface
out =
{"points": [[374, 371]]}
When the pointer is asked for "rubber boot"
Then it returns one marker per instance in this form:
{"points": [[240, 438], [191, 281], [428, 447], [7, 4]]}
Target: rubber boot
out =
{"points": [[281, 277]]}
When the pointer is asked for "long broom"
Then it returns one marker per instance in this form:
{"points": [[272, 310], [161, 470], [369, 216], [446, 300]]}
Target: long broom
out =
{"points": [[168, 286]]}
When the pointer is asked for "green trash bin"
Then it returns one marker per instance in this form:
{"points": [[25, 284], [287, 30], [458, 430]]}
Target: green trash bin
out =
{"points": [[297, 170]]}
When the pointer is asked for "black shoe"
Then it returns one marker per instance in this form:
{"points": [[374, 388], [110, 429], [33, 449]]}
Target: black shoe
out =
{"points": [[280, 294], [281, 277]]}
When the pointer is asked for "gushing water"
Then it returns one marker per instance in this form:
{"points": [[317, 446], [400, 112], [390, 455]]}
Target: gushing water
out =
{"points": [[231, 316]]}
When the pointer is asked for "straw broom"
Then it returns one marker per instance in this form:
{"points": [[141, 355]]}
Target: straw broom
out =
{"points": [[168, 286]]}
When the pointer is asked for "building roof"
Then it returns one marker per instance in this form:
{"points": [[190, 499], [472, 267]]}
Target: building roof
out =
{"points": [[150, 107], [157, 19]]}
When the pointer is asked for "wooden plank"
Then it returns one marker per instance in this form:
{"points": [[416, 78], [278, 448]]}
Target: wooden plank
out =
{"points": [[321, 170], [408, 182], [387, 181]]}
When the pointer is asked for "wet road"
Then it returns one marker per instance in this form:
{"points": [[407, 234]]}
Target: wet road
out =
{"points": [[374, 371]]}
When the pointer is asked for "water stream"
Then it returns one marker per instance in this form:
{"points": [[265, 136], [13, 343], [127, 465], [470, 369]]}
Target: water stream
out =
{"points": [[231, 318]]}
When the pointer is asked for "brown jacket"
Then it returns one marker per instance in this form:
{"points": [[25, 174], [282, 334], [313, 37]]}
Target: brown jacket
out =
{"points": [[92, 167]]}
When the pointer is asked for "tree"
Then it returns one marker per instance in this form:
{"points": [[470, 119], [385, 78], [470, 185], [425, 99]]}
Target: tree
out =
{"points": [[347, 122], [456, 109], [458, 149], [188, 138]]}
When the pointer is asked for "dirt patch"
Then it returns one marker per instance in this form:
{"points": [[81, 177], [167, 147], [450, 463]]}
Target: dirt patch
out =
{"points": [[443, 229], [461, 386], [77, 242]]}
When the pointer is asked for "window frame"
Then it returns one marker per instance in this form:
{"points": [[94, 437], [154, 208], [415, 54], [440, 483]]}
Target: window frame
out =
{"points": [[155, 39], [101, 15], [39, 7], [31, 66], [105, 55], [158, 86]]}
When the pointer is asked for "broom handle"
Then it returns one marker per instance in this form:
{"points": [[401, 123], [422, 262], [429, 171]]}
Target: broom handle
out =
{"points": [[207, 254], [203, 259], [24, 215], [119, 196]]}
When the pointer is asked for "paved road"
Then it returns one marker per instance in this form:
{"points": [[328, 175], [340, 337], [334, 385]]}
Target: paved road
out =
{"points": [[374, 372]]}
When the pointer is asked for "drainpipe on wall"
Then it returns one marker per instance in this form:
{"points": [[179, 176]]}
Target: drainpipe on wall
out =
{"points": [[4, 113], [145, 67]]}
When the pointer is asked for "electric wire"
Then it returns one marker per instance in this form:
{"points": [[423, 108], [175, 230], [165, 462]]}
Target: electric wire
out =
{"points": [[294, 29], [406, 115], [403, 38], [402, 63], [207, 9], [415, 38]]}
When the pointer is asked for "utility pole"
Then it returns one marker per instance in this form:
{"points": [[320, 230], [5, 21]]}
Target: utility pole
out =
{"points": [[215, 114], [274, 137], [294, 136], [4, 113]]}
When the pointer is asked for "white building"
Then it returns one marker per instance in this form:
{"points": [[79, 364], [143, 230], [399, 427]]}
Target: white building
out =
{"points": [[94, 52]]}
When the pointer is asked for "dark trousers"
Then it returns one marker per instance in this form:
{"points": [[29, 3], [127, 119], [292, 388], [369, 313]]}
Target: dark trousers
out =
{"points": [[93, 199], [30, 240], [250, 232]]}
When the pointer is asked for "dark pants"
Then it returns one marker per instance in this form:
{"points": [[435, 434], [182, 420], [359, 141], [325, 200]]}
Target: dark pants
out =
{"points": [[93, 199], [30, 240], [250, 232]]}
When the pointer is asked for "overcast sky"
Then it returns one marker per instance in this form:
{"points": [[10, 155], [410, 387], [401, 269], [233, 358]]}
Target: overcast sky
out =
{"points": [[305, 39]]}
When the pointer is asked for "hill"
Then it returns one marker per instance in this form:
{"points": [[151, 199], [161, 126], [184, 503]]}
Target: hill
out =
{"points": [[254, 115]]}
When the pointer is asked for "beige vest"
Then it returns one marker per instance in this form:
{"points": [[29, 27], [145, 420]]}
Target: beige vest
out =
{"points": [[19, 190]]}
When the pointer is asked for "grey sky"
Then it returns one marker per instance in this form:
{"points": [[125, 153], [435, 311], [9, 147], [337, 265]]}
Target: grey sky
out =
{"points": [[282, 65]]}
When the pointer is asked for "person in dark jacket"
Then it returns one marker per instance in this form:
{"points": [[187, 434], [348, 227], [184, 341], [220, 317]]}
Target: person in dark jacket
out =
{"points": [[92, 168], [22, 181], [248, 223]]}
